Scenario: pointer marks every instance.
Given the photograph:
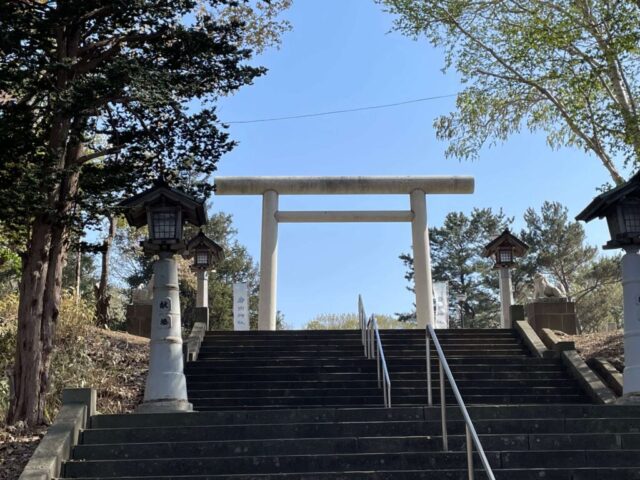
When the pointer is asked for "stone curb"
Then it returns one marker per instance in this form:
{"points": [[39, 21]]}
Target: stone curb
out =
{"points": [[532, 340], [56, 446], [588, 380], [610, 374], [555, 343]]}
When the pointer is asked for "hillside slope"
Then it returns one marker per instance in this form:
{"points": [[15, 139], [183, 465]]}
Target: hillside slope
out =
{"points": [[114, 363]]}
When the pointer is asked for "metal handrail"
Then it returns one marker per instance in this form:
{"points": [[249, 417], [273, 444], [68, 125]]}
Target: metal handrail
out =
{"points": [[362, 319], [373, 349], [384, 381], [470, 431]]}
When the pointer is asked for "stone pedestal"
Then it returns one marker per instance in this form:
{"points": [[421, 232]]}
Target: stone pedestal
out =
{"points": [[201, 314], [139, 320], [553, 313], [516, 313]]}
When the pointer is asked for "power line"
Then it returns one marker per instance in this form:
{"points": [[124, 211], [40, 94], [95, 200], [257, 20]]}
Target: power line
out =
{"points": [[348, 110]]}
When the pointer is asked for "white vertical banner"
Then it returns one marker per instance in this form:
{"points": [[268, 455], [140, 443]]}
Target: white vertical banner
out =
{"points": [[441, 299], [240, 306]]}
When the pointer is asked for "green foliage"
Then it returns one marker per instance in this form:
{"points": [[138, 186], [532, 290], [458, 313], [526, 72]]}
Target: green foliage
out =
{"points": [[568, 69], [263, 27], [117, 80], [456, 258], [349, 321], [558, 249], [557, 245], [237, 266], [135, 268], [88, 276]]}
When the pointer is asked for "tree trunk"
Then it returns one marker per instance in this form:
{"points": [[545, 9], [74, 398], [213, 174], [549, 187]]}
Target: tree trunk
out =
{"points": [[39, 307], [26, 375], [103, 299]]}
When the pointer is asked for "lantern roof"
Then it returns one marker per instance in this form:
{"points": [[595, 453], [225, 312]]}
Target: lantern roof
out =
{"points": [[506, 239], [602, 204], [193, 210], [202, 241]]}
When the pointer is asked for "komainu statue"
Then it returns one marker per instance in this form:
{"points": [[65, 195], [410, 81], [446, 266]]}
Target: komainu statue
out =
{"points": [[543, 289]]}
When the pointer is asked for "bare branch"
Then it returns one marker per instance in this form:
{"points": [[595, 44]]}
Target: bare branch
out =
{"points": [[102, 153]]}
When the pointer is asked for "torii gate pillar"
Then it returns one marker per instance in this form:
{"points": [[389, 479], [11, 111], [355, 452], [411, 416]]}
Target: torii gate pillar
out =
{"points": [[268, 262]]}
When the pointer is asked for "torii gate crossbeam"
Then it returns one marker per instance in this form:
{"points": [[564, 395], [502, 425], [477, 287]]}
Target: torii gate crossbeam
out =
{"points": [[415, 186]]}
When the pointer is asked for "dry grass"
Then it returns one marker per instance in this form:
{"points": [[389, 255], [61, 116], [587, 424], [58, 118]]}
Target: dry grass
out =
{"points": [[114, 363], [606, 344]]}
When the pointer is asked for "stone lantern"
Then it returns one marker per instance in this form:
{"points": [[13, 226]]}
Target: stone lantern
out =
{"points": [[206, 253], [504, 249], [621, 207], [164, 210]]}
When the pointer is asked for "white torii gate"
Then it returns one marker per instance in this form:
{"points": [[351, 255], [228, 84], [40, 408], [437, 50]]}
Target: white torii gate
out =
{"points": [[271, 187]]}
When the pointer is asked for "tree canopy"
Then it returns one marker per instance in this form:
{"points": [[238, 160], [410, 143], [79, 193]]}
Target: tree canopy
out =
{"points": [[97, 98], [569, 69]]}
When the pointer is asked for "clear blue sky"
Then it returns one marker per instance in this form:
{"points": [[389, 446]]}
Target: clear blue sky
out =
{"points": [[341, 55]]}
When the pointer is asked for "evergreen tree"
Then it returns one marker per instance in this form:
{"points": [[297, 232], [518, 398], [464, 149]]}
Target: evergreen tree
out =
{"points": [[96, 99], [456, 258], [559, 250]]}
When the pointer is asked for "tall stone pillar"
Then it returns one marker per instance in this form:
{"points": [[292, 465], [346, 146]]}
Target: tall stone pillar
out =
{"points": [[268, 262], [166, 387], [421, 259], [202, 288], [506, 297], [631, 293]]}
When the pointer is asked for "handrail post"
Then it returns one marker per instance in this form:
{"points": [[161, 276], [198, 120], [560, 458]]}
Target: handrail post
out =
{"points": [[388, 394], [378, 367], [372, 339], [470, 431], [469, 452], [443, 410], [370, 334], [428, 356]]}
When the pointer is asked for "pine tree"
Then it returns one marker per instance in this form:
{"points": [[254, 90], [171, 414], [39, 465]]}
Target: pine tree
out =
{"points": [[456, 258]]}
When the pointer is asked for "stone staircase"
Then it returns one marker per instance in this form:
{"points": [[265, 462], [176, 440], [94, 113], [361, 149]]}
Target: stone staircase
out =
{"points": [[305, 405]]}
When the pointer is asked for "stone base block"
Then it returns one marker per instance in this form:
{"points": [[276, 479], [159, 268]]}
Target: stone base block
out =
{"points": [[629, 399], [165, 406], [516, 312], [552, 313], [139, 320]]}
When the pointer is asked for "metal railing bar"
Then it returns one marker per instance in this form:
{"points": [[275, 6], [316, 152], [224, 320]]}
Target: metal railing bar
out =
{"points": [[443, 411], [382, 363], [468, 439], [372, 344], [429, 390], [444, 366]]}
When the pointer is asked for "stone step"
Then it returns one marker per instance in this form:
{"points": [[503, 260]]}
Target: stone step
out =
{"points": [[321, 342], [413, 427], [358, 348], [296, 401], [498, 361], [350, 462], [548, 374], [469, 358], [269, 391], [594, 473], [298, 446], [205, 383], [487, 412], [356, 333]]}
